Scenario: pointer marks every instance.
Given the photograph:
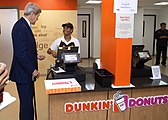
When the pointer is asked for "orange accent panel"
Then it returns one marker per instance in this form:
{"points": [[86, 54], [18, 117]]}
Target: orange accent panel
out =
{"points": [[108, 48], [44, 4], [115, 53]]}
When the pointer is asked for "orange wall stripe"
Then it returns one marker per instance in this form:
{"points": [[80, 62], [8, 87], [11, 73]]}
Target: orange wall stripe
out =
{"points": [[44, 4], [115, 53]]}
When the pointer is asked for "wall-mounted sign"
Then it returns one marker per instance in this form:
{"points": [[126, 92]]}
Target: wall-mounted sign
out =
{"points": [[119, 103], [125, 6], [124, 25]]}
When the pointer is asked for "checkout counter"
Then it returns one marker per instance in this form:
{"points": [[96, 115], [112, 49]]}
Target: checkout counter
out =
{"points": [[91, 91]]}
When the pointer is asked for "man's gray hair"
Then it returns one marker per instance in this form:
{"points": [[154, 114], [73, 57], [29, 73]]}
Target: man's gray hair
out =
{"points": [[32, 7]]}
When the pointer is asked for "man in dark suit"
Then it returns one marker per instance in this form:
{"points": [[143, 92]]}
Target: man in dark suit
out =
{"points": [[24, 69]]}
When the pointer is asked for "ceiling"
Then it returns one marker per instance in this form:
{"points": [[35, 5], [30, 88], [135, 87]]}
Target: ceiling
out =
{"points": [[141, 3]]}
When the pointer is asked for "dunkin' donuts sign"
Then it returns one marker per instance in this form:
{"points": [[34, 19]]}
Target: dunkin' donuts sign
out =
{"points": [[119, 103]]}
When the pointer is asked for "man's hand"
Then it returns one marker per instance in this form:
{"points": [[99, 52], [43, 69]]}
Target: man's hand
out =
{"points": [[41, 57], [36, 74]]}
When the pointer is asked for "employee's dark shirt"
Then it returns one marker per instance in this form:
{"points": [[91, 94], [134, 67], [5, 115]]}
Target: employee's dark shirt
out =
{"points": [[161, 42], [62, 44]]}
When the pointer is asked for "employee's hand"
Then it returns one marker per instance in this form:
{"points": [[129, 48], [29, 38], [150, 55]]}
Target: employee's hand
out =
{"points": [[3, 75], [41, 57], [36, 74], [54, 53]]}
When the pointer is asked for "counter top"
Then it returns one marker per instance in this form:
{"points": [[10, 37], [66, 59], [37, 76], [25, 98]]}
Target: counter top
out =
{"points": [[139, 82]]}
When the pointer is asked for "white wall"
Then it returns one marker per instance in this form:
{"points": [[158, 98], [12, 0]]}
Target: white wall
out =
{"points": [[153, 12], [89, 11], [97, 32], [138, 27], [162, 17], [95, 13]]}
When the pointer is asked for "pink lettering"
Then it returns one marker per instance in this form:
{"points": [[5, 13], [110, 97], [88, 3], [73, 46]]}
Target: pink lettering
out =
{"points": [[132, 102], [139, 102], [153, 101], [147, 101]]}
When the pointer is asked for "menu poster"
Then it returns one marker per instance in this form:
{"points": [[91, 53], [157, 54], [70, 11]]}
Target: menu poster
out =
{"points": [[125, 6], [124, 25]]}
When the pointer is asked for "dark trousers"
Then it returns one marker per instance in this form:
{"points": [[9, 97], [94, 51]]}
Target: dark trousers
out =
{"points": [[160, 50], [26, 93]]}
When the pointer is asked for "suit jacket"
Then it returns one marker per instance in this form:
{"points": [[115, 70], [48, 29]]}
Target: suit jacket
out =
{"points": [[25, 53]]}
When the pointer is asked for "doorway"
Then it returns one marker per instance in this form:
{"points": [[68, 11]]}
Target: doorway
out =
{"points": [[84, 34], [149, 27]]}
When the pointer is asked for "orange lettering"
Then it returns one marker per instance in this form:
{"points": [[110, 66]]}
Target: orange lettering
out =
{"points": [[68, 107]]}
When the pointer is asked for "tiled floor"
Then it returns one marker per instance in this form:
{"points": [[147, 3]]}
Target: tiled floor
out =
{"points": [[11, 111]]}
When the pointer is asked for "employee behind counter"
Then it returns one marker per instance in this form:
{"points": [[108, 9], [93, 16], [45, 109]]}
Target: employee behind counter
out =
{"points": [[70, 66], [65, 41]]}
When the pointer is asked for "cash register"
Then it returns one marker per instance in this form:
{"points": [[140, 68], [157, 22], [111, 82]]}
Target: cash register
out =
{"points": [[68, 59], [139, 58]]}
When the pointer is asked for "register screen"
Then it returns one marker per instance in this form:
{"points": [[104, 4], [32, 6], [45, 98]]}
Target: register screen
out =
{"points": [[143, 54], [71, 58]]}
